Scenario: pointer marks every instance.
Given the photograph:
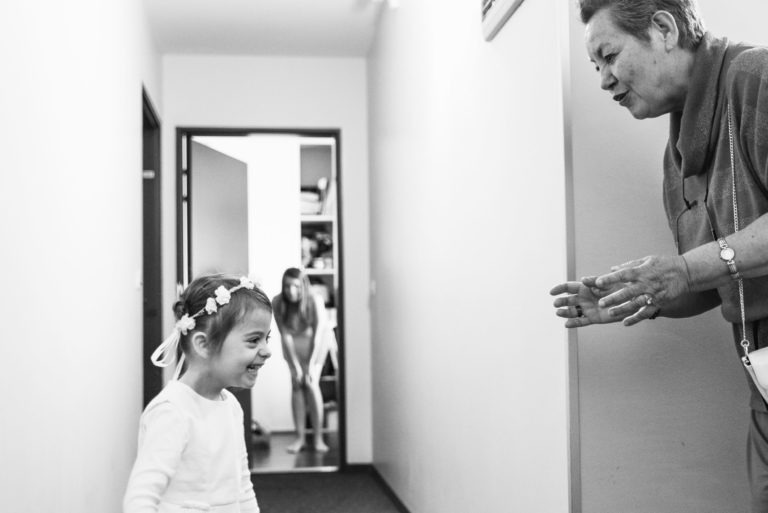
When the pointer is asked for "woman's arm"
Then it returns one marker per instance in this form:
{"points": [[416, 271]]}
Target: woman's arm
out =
{"points": [[689, 305], [286, 341], [587, 296], [671, 281], [750, 245], [318, 335], [289, 353]]}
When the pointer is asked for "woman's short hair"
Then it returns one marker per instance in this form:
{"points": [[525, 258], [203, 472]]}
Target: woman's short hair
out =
{"points": [[634, 17]]}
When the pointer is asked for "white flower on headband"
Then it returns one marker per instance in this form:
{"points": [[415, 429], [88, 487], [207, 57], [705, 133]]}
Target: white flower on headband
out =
{"points": [[246, 283], [222, 295], [210, 306], [185, 324]]}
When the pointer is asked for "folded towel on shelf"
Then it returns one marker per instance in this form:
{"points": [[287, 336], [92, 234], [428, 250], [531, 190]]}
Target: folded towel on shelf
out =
{"points": [[310, 196], [311, 207]]}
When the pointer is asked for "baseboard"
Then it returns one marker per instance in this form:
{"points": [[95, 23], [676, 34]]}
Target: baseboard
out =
{"points": [[370, 469]]}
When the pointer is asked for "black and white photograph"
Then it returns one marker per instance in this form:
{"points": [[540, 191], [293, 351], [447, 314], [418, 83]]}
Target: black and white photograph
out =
{"points": [[384, 256]]}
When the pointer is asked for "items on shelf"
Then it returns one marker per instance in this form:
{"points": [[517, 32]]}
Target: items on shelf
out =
{"points": [[316, 247], [318, 200], [323, 291], [318, 225], [310, 202]]}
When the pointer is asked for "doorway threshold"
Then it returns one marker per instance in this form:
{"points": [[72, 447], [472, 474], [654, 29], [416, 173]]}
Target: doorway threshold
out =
{"points": [[298, 470]]}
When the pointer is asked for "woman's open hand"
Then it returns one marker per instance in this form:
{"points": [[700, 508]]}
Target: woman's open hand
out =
{"points": [[580, 304], [636, 290]]}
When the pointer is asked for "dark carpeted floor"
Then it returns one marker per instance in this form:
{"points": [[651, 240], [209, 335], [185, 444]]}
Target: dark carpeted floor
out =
{"points": [[330, 492]]}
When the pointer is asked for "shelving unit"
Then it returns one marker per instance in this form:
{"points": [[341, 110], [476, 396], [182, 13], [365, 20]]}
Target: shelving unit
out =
{"points": [[319, 246], [319, 231], [320, 272], [316, 219]]}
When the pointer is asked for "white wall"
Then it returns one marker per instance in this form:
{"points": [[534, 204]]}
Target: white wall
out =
{"points": [[468, 235], [271, 92], [663, 405], [315, 164], [151, 63], [70, 187]]}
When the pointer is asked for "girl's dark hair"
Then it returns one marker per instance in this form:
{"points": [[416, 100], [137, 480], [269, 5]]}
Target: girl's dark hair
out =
{"points": [[218, 324], [634, 17]]}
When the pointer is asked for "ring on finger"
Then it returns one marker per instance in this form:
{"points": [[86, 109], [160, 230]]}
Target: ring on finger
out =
{"points": [[649, 301], [579, 311]]}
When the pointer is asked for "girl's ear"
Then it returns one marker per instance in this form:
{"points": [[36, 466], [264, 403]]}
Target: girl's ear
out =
{"points": [[199, 344]]}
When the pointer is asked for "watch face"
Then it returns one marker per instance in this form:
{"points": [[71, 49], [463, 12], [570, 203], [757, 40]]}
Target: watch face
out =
{"points": [[727, 254]]}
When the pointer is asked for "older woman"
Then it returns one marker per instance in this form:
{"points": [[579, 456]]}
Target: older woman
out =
{"points": [[655, 58]]}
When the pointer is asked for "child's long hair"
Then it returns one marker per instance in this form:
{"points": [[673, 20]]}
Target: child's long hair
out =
{"points": [[218, 324], [306, 308]]}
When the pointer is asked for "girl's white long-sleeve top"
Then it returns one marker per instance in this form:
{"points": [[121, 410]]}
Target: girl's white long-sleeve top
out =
{"points": [[191, 456]]}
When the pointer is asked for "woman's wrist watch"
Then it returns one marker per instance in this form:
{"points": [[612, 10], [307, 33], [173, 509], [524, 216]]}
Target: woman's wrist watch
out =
{"points": [[728, 255]]}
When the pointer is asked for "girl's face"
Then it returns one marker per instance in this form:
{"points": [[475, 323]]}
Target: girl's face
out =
{"points": [[244, 350], [292, 289]]}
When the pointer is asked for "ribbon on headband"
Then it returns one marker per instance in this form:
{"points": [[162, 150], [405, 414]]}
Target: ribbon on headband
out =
{"points": [[165, 354]]}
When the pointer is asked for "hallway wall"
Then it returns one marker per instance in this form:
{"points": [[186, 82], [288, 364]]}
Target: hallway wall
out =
{"points": [[277, 92], [663, 405], [467, 237], [70, 189]]}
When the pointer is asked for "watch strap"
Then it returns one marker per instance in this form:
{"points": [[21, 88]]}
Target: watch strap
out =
{"points": [[731, 263]]}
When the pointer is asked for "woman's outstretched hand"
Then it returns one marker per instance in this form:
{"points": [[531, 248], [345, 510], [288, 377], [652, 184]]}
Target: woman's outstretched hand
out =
{"points": [[636, 290], [581, 303]]}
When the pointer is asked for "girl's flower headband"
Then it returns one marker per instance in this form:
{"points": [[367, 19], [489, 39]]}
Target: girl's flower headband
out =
{"points": [[165, 354]]}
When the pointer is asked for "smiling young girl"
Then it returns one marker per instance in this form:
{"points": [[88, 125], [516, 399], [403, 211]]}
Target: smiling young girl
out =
{"points": [[191, 454]]}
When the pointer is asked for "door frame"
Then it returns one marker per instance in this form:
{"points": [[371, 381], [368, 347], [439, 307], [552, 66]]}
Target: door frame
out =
{"points": [[152, 277], [183, 190]]}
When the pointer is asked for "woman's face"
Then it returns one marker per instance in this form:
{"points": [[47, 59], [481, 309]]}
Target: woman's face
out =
{"points": [[639, 75], [292, 289]]}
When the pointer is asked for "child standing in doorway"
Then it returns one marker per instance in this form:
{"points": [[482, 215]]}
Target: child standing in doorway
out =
{"points": [[191, 454]]}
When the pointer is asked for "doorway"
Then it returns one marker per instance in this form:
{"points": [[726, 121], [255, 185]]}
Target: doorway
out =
{"points": [[152, 256], [257, 202]]}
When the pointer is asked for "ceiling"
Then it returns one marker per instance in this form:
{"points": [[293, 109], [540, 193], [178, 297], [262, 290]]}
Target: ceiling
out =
{"points": [[343, 28]]}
